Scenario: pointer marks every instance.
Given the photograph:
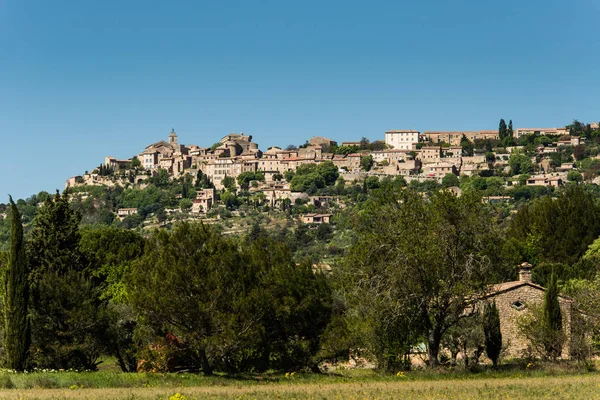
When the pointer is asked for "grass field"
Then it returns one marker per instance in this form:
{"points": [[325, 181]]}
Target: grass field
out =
{"points": [[534, 384]]}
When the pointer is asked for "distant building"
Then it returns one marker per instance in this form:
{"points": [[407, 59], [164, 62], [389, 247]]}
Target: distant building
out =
{"points": [[316, 218], [402, 139], [453, 138], [517, 133], [515, 299], [204, 200], [321, 141], [122, 213]]}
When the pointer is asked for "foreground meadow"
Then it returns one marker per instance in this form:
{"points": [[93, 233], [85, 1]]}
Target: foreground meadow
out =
{"points": [[349, 385]]}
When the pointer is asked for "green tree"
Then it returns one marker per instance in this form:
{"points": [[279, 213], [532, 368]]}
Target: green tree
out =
{"points": [[491, 330], [229, 183], [135, 162], [186, 204], [553, 320], [467, 146], [574, 176], [67, 316], [366, 162], [564, 227], [401, 266], [232, 306], [520, 164], [329, 172], [502, 129], [111, 251], [16, 297], [450, 180], [245, 178]]}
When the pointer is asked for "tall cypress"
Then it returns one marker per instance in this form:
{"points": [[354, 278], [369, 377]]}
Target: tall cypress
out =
{"points": [[502, 130], [510, 129], [491, 330], [552, 321], [16, 297]]}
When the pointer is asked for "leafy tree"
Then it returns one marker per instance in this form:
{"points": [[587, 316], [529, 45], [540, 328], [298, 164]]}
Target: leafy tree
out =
{"points": [[135, 162], [186, 204], [231, 307], [229, 183], [16, 297], [366, 162], [245, 178], [491, 329], [467, 146], [277, 177], [400, 268], [450, 180], [563, 227], [67, 316], [329, 172], [133, 221], [574, 176], [162, 179], [520, 164], [161, 216], [111, 251], [466, 337]]}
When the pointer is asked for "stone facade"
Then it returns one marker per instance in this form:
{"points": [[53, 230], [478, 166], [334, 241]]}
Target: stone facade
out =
{"points": [[515, 299]]}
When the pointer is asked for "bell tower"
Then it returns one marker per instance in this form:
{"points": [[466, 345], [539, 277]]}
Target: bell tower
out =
{"points": [[173, 140]]}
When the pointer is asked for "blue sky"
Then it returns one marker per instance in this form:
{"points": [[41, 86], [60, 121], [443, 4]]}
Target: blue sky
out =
{"points": [[81, 79]]}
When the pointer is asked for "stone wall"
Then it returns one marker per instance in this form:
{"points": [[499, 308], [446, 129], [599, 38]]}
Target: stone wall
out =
{"points": [[509, 315]]}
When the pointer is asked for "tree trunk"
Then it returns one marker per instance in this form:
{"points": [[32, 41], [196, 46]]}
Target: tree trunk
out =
{"points": [[206, 368], [454, 353], [433, 347]]}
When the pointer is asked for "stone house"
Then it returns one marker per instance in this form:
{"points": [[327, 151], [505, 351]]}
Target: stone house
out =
{"points": [[514, 299], [204, 200], [125, 212], [439, 170], [316, 218]]}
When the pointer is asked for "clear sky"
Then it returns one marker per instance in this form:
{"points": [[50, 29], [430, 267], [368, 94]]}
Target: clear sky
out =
{"points": [[82, 79]]}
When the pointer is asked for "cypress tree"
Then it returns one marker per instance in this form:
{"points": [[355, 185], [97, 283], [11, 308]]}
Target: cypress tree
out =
{"points": [[552, 320], [16, 297], [491, 330], [510, 129], [502, 131]]}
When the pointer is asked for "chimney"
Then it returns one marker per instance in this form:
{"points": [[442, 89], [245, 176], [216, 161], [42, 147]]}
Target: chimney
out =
{"points": [[525, 272]]}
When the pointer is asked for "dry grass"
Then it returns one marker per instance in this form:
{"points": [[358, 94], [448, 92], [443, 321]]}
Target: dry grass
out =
{"points": [[556, 387]]}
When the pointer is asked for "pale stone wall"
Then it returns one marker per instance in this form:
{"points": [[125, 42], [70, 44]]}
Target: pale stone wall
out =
{"points": [[509, 316]]}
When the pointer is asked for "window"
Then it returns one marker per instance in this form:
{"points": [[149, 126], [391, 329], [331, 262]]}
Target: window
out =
{"points": [[518, 305]]}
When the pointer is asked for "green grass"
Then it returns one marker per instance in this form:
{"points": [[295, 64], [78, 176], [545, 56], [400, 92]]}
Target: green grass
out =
{"points": [[542, 381]]}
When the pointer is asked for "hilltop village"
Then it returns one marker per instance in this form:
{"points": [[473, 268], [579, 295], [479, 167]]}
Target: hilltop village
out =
{"points": [[418, 217], [538, 157]]}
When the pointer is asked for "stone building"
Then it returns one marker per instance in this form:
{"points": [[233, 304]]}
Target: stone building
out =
{"points": [[514, 299]]}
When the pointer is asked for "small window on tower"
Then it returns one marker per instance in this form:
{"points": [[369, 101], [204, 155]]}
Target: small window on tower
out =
{"points": [[518, 305]]}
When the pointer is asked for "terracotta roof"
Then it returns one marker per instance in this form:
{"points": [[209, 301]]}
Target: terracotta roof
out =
{"points": [[506, 286]]}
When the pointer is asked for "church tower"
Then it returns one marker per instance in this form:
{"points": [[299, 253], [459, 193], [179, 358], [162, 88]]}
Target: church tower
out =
{"points": [[173, 140]]}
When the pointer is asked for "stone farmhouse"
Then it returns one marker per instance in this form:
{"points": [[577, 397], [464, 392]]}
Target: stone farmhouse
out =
{"points": [[316, 218], [515, 299]]}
